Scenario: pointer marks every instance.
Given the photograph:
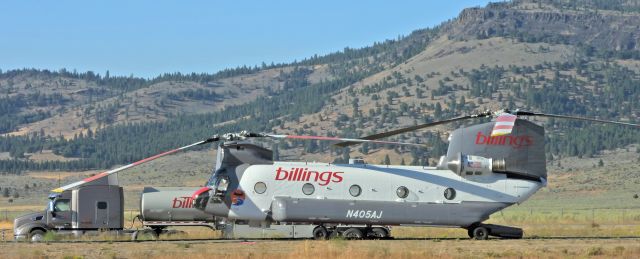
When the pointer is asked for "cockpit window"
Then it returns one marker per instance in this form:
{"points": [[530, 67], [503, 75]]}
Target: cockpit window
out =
{"points": [[214, 177], [61, 205], [223, 184]]}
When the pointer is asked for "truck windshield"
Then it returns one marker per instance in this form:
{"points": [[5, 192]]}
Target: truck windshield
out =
{"points": [[61, 205]]}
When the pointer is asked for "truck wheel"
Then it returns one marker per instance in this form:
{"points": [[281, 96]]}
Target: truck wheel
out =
{"points": [[352, 233], [378, 233], [320, 233], [481, 233], [36, 235]]}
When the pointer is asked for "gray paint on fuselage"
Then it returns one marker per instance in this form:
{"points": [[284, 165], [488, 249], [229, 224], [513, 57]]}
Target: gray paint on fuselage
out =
{"points": [[317, 211]]}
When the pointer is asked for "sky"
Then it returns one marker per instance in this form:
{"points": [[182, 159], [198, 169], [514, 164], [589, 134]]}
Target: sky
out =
{"points": [[149, 37]]}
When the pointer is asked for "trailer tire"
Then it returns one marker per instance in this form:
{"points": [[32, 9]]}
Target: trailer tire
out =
{"points": [[480, 233], [378, 233], [334, 234], [352, 233], [320, 233], [36, 235]]}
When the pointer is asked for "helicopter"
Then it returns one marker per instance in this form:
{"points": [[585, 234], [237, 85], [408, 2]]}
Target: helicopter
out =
{"points": [[488, 167]]}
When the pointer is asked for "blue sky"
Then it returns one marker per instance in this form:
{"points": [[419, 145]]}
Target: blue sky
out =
{"points": [[146, 38]]}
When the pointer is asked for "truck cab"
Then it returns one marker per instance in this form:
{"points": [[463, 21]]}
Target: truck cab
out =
{"points": [[74, 211]]}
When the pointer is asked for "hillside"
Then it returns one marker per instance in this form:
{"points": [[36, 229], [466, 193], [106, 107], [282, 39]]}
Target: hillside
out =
{"points": [[565, 57]]}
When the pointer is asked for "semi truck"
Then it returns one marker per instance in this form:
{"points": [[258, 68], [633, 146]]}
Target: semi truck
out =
{"points": [[93, 209], [99, 209]]}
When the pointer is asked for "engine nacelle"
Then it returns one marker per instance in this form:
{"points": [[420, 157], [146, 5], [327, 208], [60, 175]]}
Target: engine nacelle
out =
{"points": [[468, 165]]}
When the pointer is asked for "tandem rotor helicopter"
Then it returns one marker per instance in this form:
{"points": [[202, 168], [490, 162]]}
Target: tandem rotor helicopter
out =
{"points": [[488, 167]]}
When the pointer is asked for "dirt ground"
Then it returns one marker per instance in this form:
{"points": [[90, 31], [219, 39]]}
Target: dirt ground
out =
{"points": [[441, 248]]}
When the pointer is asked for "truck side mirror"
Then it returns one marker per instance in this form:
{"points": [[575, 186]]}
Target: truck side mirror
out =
{"points": [[53, 213]]}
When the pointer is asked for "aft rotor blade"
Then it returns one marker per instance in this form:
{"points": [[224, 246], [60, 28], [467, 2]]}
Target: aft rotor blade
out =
{"points": [[412, 128], [525, 113], [354, 140], [113, 171]]}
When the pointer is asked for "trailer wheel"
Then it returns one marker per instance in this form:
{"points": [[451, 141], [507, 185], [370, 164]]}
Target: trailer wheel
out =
{"points": [[481, 233], [352, 233], [36, 235], [320, 233], [378, 233]]}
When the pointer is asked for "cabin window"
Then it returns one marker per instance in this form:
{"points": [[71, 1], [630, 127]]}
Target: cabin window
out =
{"points": [[61, 205], [308, 189], [449, 194], [102, 205], [402, 192], [355, 190], [260, 187]]}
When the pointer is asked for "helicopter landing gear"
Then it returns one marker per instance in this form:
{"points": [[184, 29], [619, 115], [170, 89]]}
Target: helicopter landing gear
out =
{"points": [[481, 231], [356, 232]]}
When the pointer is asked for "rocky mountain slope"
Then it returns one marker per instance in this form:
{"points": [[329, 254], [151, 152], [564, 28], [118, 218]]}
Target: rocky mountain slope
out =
{"points": [[568, 57]]}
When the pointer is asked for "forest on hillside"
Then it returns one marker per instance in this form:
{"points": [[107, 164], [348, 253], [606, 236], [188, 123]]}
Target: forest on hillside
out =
{"points": [[592, 83]]}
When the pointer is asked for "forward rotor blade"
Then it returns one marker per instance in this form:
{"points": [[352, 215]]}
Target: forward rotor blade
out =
{"points": [[525, 113], [341, 139], [107, 173], [412, 128]]}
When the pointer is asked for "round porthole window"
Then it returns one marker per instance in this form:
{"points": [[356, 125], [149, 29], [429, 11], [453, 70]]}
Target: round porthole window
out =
{"points": [[308, 189], [355, 190], [402, 192], [449, 194], [260, 187]]}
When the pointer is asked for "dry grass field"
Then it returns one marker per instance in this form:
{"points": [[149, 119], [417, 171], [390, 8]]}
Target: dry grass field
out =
{"points": [[425, 248]]}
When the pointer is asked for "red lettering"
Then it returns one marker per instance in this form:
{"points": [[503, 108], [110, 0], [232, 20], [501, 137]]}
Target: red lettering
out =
{"points": [[315, 178], [480, 139], [176, 203], [303, 174], [513, 141], [325, 177], [283, 172], [337, 177]]}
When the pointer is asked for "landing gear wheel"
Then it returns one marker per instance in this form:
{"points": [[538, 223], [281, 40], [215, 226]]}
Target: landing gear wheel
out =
{"points": [[320, 233], [36, 235], [352, 233], [470, 232], [378, 233], [480, 233]]}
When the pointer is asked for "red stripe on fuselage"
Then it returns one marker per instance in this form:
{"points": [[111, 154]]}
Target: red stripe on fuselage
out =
{"points": [[199, 191], [503, 127], [506, 118]]}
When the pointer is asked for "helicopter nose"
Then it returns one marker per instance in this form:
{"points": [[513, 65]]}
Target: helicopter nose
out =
{"points": [[200, 198]]}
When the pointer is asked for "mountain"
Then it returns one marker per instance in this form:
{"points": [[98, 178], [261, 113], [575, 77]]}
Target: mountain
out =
{"points": [[566, 57]]}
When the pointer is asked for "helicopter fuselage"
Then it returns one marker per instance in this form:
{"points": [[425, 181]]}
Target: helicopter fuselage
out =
{"points": [[363, 194]]}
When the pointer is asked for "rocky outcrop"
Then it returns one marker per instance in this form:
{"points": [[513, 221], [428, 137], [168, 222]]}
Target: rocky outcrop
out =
{"points": [[601, 29]]}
